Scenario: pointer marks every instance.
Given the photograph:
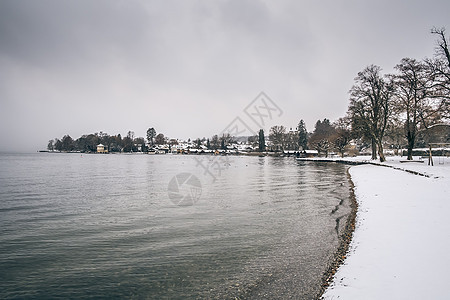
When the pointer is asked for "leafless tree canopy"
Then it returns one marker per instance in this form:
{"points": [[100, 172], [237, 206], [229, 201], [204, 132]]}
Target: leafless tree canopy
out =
{"points": [[442, 44], [370, 106]]}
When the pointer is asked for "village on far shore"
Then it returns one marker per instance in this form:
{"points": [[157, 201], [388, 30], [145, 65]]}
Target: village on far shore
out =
{"points": [[403, 113], [279, 142], [388, 114]]}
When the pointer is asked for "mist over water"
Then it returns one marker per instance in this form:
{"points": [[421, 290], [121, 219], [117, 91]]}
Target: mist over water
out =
{"points": [[88, 226]]}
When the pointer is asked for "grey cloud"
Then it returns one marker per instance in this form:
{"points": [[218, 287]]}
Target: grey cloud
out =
{"points": [[83, 66]]}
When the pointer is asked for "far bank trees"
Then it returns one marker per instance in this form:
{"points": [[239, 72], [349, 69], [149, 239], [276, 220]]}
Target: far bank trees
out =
{"points": [[322, 137], [261, 141], [277, 136], [302, 135], [151, 134]]}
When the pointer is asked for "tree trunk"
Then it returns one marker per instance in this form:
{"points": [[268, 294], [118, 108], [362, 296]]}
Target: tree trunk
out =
{"points": [[380, 151], [409, 154], [374, 149], [411, 140], [410, 148]]}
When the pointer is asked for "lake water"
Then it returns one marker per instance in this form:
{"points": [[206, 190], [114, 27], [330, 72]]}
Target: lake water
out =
{"points": [[167, 226]]}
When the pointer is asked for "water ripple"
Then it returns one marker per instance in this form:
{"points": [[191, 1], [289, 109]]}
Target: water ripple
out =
{"points": [[101, 226]]}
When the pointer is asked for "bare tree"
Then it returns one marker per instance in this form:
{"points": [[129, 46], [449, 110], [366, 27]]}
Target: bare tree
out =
{"points": [[277, 136], [342, 136], [215, 142], [369, 109], [414, 101], [227, 139], [439, 70], [253, 140], [291, 140], [395, 133], [442, 44], [322, 137]]}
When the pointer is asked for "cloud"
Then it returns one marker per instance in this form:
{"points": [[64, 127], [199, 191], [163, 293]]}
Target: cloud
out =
{"points": [[188, 68]]}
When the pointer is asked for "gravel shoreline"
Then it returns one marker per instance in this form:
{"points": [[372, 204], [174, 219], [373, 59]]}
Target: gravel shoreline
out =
{"points": [[344, 242]]}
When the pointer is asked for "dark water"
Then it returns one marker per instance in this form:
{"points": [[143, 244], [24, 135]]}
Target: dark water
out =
{"points": [[103, 226]]}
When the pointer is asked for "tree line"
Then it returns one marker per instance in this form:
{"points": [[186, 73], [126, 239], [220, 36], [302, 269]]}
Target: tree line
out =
{"points": [[113, 143], [384, 108], [406, 102], [116, 143], [392, 108], [326, 137]]}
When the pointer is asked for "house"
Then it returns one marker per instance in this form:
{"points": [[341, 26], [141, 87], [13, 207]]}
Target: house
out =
{"points": [[309, 153], [101, 149], [436, 134]]}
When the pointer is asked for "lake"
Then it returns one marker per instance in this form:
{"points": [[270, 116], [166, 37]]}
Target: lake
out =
{"points": [[167, 226]]}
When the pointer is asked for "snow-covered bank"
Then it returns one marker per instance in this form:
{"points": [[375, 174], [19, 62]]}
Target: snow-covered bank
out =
{"points": [[401, 246]]}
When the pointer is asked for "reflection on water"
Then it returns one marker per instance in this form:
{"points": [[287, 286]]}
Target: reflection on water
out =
{"points": [[84, 226]]}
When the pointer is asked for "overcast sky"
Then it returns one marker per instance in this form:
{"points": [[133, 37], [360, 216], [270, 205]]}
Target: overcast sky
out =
{"points": [[189, 68]]}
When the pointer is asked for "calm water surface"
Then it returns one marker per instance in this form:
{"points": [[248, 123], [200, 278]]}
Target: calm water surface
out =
{"points": [[103, 226]]}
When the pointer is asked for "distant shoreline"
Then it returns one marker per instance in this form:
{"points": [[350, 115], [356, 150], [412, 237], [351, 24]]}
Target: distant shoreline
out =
{"points": [[233, 153]]}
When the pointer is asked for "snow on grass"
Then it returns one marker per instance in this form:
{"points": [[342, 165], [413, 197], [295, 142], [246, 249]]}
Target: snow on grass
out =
{"points": [[401, 244]]}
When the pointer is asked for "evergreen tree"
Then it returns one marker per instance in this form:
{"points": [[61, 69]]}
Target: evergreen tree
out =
{"points": [[261, 141], [302, 135], [151, 134], [67, 143]]}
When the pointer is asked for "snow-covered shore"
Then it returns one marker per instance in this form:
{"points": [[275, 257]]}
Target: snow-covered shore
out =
{"points": [[401, 246]]}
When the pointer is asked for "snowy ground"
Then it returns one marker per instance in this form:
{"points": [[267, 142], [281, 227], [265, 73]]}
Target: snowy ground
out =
{"points": [[401, 244]]}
